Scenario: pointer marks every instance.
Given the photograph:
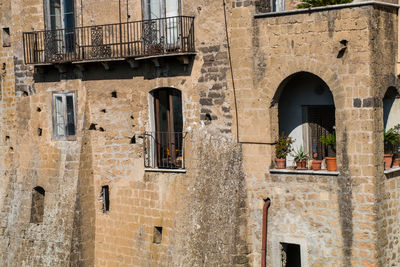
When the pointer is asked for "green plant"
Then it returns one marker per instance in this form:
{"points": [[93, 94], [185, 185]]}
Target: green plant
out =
{"points": [[391, 139], [315, 3], [300, 155], [329, 140], [283, 146]]}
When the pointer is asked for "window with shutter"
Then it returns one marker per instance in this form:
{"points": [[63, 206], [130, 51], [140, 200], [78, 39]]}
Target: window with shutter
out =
{"points": [[64, 123], [59, 16], [168, 121]]}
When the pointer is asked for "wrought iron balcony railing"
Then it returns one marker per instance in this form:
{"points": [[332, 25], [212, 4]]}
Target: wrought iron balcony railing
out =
{"points": [[164, 150], [173, 35]]}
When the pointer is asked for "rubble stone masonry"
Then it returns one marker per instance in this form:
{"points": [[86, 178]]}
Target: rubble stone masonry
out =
{"points": [[211, 212]]}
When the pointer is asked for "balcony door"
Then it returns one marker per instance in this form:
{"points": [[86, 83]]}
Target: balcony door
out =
{"points": [[164, 22], [60, 21], [169, 127]]}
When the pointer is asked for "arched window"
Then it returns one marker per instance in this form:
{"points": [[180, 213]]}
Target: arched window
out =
{"points": [[166, 142], [306, 112], [37, 208], [391, 120]]}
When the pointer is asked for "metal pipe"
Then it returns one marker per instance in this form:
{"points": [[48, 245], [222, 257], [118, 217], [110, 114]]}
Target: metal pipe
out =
{"points": [[267, 203]]}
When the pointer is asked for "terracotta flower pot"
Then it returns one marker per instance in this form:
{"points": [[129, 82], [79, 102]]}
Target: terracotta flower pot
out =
{"points": [[331, 164], [301, 165], [316, 165], [396, 162], [388, 160], [280, 163]]}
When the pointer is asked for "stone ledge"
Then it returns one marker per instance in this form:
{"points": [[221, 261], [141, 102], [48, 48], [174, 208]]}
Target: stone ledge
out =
{"points": [[165, 170], [391, 170], [305, 172], [324, 8]]}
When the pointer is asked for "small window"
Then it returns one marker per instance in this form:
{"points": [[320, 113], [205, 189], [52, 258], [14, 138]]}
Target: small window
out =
{"points": [[105, 194], [290, 255], [64, 122], [157, 235], [6, 37], [37, 208]]}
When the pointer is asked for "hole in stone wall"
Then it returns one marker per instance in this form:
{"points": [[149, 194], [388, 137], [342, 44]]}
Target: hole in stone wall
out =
{"points": [[92, 126], [104, 110], [290, 255], [7, 137], [101, 129], [6, 37], [133, 139], [157, 235], [38, 109], [40, 131], [208, 117], [37, 208], [114, 94], [105, 194]]}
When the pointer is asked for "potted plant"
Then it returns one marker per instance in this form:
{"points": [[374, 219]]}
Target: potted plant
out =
{"points": [[396, 158], [330, 140], [282, 149], [391, 139], [301, 158], [316, 3]]}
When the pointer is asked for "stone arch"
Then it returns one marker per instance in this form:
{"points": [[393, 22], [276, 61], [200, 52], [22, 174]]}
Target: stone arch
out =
{"points": [[391, 122], [303, 107], [37, 207]]}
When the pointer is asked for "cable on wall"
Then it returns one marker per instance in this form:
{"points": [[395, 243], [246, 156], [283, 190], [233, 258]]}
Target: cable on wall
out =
{"points": [[231, 69]]}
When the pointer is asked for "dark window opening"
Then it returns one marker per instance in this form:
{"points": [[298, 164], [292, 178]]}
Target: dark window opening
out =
{"points": [[321, 121], [105, 194], [169, 128], [157, 235], [6, 37], [290, 255], [37, 207]]}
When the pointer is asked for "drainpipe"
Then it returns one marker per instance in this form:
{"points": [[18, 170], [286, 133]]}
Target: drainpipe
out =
{"points": [[267, 203]]}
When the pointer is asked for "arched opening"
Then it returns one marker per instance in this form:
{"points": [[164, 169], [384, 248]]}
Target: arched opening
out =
{"points": [[166, 138], [391, 123], [37, 208], [306, 112]]}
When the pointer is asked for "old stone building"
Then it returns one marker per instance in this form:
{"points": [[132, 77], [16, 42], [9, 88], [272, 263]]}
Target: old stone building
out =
{"points": [[142, 132]]}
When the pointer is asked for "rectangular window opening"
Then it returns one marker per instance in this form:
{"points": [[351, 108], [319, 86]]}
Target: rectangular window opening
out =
{"points": [[105, 193], [6, 37], [64, 117], [290, 255], [157, 236]]}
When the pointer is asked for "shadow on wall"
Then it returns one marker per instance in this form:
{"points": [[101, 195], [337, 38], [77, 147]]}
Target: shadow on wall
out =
{"points": [[118, 70]]}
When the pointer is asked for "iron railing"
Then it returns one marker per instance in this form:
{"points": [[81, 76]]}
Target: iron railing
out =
{"points": [[112, 41], [164, 150]]}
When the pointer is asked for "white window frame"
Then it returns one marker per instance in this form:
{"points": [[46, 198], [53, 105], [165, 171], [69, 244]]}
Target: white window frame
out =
{"points": [[64, 95]]}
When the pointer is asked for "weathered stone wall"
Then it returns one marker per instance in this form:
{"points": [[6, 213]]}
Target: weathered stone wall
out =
{"points": [[211, 215], [282, 46]]}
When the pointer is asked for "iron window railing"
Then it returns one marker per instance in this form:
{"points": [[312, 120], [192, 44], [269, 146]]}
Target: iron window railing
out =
{"points": [[162, 36], [164, 150]]}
